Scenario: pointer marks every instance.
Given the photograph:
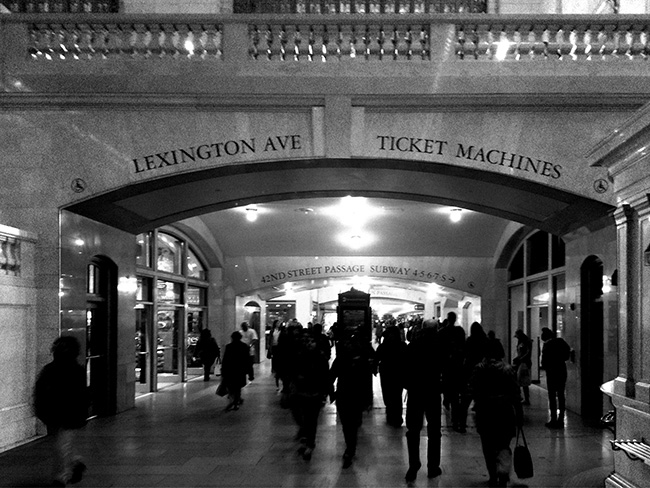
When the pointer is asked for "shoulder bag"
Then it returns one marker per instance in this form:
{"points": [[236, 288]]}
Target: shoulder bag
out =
{"points": [[522, 460]]}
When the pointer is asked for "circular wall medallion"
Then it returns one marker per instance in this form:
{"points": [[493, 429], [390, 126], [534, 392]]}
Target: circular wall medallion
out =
{"points": [[78, 185], [601, 185]]}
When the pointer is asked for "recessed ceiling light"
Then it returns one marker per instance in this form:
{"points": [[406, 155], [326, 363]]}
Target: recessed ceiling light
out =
{"points": [[305, 210], [251, 213], [456, 214]]}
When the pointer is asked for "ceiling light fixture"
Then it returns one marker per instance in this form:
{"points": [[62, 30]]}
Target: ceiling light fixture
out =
{"points": [[456, 214], [353, 211], [251, 213]]}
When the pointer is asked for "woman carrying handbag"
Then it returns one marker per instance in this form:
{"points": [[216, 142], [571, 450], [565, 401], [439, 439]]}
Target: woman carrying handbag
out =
{"points": [[499, 412], [522, 460]]}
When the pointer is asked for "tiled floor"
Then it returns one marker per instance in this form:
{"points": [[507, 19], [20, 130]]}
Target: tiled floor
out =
{"points": [[181, 437]]}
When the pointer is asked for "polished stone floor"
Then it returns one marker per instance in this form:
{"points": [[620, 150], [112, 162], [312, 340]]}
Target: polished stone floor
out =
{"points": [[182, 437]]}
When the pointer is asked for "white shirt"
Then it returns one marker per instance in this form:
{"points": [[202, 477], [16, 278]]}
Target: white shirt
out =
{"points": [[248, 337]]}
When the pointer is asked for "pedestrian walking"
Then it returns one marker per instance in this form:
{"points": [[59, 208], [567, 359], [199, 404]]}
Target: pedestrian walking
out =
{"points": [[555, 353], [423, 383], [351, 371], [309, 386], [391, 362], [497, 401], [523, 362], [249, 337], [207, 350], [234, 368], [61, 402]]}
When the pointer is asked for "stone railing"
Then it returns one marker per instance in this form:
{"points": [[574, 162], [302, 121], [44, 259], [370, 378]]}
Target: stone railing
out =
{"points": [[10, 250], [361, 6], [321, 38]]}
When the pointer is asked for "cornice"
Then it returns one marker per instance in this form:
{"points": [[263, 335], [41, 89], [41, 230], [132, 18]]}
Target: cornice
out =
{"points": [[625, 146], [594, 102]]}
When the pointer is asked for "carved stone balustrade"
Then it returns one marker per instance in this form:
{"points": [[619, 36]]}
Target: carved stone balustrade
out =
{"points": [[273, 53]]}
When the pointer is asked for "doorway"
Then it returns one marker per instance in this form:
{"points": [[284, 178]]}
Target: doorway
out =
{"points": [[591, 338], [101, 347]]}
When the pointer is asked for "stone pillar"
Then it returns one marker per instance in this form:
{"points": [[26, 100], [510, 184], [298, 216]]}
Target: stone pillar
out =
{"points": [[630, 392], [642, 256], [627, 238]]}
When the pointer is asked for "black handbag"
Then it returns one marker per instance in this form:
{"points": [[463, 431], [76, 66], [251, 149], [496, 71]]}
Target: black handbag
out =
{"points": [[522, 460], [222, 390]]}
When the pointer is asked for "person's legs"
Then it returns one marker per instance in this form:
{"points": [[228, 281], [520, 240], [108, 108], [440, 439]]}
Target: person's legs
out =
{"points": [[503, 458], [489, 454], [251, 373], [206, 372], [458, 412], [311, 410], [64, 458], [561, 400], [234, 394], [434, 436], [392, 395], [414, 421], [297, 412], [551, 384], [350, 418]]}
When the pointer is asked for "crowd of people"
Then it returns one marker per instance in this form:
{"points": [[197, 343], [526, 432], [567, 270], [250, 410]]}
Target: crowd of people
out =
{"points": [[435, 363]]}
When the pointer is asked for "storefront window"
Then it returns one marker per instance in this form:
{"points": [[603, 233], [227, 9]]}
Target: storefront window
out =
{"points": [[168, 324], [169, 292], [557, 252], [516, 268], [196, 295], [143, 253], [538, 253], [559, 305], [169, 312], [517, 309], [195, 323], [194, 267], [169, 253], [143, 291]]}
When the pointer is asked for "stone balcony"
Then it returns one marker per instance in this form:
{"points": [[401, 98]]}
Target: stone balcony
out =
{"points": [[414, 59]]}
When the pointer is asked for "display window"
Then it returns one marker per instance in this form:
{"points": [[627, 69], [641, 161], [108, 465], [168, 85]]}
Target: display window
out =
{"points": [[170, 312], [194, 267], [143, 253], [168, 253]]}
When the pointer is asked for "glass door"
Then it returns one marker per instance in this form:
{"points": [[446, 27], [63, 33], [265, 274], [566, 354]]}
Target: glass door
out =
{"points": [[168, 352], [96, 358], [538, 317], [144, 379]]}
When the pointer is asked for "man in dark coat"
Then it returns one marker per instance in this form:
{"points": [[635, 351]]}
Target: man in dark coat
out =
{"points": [[424, 388], [352, 371], [309, 385], [61, 401], [555, 353], [234, 368]]}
